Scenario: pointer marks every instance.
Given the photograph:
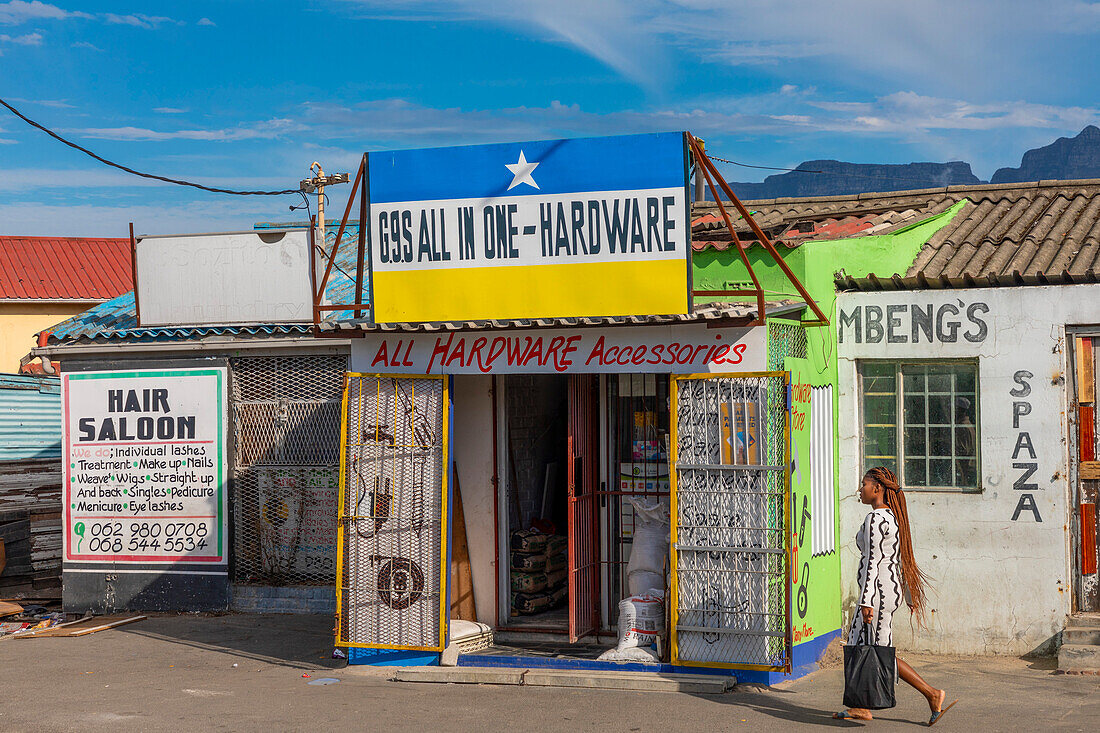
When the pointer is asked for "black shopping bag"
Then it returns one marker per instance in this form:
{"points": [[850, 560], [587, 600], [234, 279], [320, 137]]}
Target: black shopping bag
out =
{"points": [[869, 674]]}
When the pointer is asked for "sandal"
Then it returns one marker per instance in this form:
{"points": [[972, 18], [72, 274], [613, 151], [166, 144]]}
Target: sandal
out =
{"points": [[939, 714], [845, 715]]}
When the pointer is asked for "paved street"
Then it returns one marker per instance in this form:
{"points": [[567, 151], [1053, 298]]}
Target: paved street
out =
{"points": [[244, 673]]}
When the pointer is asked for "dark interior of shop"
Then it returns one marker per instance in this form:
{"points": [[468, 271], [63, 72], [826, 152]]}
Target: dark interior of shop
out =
{"points": [[537, 416]]}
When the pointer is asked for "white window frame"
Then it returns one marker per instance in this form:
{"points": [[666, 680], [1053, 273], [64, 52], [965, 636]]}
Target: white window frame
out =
{"points": [[899, 448]]}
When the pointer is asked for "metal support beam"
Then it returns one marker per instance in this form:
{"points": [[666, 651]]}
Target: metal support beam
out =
{"points": [[703, 162]]}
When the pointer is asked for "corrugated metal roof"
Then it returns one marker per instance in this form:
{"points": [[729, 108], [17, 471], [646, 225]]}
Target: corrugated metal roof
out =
{"points": [[64, 268], [30, 417]]}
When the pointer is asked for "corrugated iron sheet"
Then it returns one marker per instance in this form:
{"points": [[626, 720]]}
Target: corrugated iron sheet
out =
{"points": [[30, 417], [64, 268]]}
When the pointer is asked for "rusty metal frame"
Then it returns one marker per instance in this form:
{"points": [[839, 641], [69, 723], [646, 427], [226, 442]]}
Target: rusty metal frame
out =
{"points": [[360, 187], [704, 165]]}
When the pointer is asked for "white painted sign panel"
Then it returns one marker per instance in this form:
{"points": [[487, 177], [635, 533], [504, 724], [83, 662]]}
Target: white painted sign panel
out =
{"points": [[298, 508], [145, 466], [678, 349], [210, 279]]}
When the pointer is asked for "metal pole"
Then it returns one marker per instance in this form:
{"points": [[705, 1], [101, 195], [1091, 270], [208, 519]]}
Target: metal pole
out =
{"points": [[319, 173], [363, 216], [700, 190]]}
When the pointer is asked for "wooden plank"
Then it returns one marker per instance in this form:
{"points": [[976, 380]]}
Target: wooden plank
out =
{"points": [[462, 580], [7, 609], [1086, 432], [1086, 375], [113, 624], [1089, 470], [82, 627], [1088, 539]]}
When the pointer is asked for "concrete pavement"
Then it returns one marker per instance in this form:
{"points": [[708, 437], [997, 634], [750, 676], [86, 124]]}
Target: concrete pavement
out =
{"points": [[244, 673]]}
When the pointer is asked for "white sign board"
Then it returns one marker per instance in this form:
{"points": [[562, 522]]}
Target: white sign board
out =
{"points": [[298, 508], [679, 349], [209, 279], [145, 466]]}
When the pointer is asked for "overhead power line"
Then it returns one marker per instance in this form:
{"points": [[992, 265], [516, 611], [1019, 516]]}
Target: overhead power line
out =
{"points": [[154, 177], [762, 167]]}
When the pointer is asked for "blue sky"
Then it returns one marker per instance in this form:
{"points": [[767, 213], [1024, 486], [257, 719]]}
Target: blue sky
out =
{"points": [[247, 95]]}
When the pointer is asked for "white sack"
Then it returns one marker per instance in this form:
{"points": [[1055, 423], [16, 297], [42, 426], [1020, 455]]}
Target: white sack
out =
{"points": [[641, 619], [649, 547]]}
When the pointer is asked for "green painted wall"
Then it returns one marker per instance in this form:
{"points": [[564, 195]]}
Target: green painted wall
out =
{"points": [[815, 264]]}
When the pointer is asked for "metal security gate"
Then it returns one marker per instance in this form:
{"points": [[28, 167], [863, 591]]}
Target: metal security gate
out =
{"points": [[730, 490], [582, 485], [286, 438], [392, 558]]}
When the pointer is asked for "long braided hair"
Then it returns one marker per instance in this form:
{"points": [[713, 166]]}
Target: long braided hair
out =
{"points": [[915, 580]]}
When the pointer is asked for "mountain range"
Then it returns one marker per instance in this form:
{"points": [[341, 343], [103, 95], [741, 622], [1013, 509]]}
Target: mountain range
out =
{"points": [[1065, 158]]}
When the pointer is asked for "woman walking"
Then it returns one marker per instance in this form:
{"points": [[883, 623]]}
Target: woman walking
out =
{"points": [[888, 573]]}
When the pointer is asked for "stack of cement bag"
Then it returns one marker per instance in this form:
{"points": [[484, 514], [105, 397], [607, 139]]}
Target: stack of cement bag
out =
{"points": [[538, 571]]}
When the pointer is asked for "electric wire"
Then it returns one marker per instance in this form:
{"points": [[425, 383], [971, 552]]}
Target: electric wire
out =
{"points": [[126, 169]]}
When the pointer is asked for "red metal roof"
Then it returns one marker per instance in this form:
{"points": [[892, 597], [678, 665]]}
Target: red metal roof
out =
{"points": [[64, 268]]}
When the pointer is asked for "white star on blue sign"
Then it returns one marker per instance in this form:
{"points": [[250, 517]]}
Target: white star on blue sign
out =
{"points": [[521, 172]]}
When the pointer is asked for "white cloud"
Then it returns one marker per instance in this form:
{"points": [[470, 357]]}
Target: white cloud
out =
{"points": [[139, 20], [169, 110], [54, 103], [260, 130], [972, 48], [615, 32], [18, 11], [206, 21], [85, 44], [400, 122], [27, 39], [902, 112]]}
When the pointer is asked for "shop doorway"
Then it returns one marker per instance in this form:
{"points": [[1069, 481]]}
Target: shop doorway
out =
{"points": [[1087, 580], [575, 453], [534, 505]]}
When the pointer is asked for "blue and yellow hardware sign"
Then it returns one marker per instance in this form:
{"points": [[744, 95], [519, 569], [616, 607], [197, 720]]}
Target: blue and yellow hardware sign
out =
{"points": [[549, 229]]}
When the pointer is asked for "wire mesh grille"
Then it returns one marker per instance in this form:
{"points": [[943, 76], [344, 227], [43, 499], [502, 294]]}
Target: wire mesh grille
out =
{"points": [[392, 512], [784, 339], [731, 539], [286, 432]]}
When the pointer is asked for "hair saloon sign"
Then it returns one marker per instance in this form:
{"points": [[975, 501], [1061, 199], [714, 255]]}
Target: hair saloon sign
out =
{"points": [[679, 349]]}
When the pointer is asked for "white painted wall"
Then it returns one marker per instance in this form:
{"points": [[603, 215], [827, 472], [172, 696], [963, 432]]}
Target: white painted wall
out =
{"points": [[473, 455], [1001, 586]]}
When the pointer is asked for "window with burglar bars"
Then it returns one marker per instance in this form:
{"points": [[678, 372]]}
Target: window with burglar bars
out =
{"points": [[920, 420], [286, 433]]}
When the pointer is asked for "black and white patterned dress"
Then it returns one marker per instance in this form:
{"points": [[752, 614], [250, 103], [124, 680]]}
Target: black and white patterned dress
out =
{"points": [[880, 583]]}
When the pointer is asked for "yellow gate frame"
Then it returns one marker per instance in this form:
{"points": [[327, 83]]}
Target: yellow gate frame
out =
{"points": [[342, 518], [674, 516]]}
